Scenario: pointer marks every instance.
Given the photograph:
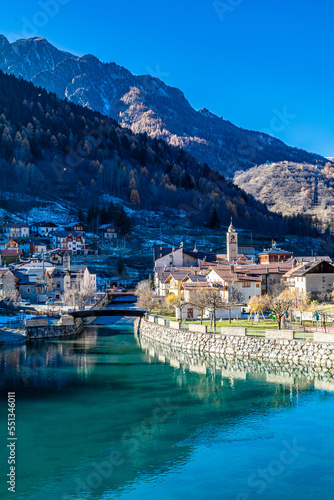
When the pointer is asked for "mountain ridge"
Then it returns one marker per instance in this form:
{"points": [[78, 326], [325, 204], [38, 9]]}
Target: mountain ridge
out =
{"points": [[145, 104]]}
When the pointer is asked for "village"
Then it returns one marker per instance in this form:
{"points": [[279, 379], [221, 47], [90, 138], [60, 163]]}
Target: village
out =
{"points": [[39, 273], [36, 267], [206, 284]]}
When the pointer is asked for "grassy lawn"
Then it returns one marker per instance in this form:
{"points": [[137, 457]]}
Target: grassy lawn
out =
{"points": [[244, 323]]}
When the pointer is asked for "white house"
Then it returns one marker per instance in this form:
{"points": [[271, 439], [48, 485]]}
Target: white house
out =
{"points": [[69, 241], [43, 228], [179, 257], [248, 285], [108, 231], [311, 277], [13, 230]]}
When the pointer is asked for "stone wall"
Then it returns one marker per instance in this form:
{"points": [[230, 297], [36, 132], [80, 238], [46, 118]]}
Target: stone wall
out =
{"points": [[282, 350], [51, 331]]}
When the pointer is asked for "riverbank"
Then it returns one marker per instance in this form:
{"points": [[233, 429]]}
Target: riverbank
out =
{"points": [[303, 376], [286, 350], [11, 336]]}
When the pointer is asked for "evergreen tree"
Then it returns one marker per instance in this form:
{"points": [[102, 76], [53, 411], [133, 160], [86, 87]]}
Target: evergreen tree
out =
{"points": [[81, 216], [120, 266], [214, 219]]}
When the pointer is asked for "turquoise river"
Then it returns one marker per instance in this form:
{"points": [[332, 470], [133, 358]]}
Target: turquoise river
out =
{"points": [[102, 417]]}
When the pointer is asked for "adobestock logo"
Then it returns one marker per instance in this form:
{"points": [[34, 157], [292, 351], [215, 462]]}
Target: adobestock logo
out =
{"points": [[225, 7], [262, 478], [48, 9]]}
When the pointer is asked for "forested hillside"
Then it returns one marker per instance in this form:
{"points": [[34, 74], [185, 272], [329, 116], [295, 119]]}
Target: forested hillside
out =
{"points": [[51, 146], [292, 187], [145, 104]]}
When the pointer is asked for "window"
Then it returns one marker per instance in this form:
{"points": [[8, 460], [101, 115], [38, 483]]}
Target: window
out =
{"points": [[257, 285], [28, 290], [246, 284]]}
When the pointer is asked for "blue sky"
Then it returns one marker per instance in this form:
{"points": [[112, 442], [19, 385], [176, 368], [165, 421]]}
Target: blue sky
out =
{"points": [[262, 64]]}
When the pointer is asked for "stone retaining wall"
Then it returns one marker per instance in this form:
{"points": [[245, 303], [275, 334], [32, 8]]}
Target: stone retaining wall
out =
{"points": [[49, 331], [296, 351]]}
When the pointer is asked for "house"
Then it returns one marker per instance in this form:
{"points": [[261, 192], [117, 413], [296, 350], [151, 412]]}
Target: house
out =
{"points": [[69, 241], [9, 256], [314, 278], [20, 245], [37, 247], [7, 283], [299, 260], [108, 231], [174, 282], [24, 245], [249, 285], [77, 227], [189, 288], [179, 257], [273, 255], [201, 287], [56, 258], [271, 274], [43, 228], [10, 244], [81, 278], [30, 284], [14, 230], [186, 311], [58, 281], [160, 285]]}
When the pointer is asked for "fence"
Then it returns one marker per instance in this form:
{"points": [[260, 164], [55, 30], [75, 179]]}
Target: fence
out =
{"points": [[289, 333]]}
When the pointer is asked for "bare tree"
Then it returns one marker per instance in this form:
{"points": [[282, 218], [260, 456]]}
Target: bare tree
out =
{"points": [[279, 304], [198, 300], [301, 301], [213, 301], [14, 298], [79, 292], [234, 298], [145, 295]]}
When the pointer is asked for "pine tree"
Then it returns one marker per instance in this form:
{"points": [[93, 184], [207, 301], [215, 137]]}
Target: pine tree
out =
{"points": [[120, 266], [214, 219]]}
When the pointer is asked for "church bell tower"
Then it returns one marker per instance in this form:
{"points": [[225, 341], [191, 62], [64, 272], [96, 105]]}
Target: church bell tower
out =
{"points": [[232, 243]]}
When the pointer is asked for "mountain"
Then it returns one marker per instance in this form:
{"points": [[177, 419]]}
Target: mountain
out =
{"points": [[145, 104], [292, 188]]}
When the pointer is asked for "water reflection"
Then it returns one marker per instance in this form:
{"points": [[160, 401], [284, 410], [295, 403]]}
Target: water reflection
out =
{"points": [[103, 413], [299, 377]]}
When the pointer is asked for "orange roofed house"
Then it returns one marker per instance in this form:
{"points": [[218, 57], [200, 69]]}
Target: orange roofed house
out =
{"points": [[273, 256]]}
